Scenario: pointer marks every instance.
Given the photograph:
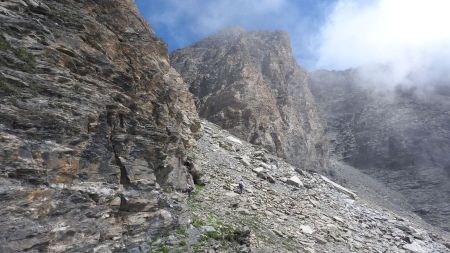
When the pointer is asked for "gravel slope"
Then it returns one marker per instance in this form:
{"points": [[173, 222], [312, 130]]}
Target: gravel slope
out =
{"points": [[284, 209]]}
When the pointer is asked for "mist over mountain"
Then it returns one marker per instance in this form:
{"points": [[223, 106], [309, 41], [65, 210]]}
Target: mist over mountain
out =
{"points": [[399, 136]]}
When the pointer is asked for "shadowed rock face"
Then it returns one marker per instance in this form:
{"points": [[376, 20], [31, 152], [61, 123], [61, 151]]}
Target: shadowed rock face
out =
{"points": [[399, 136], [250, 84], [93, 123]]}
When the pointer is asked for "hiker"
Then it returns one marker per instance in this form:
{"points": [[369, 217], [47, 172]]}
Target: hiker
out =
{"points": [[241, 186], [189, 190]]}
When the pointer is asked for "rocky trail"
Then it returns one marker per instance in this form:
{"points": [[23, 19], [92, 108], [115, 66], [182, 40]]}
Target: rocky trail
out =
{"points": [[282, 209]]}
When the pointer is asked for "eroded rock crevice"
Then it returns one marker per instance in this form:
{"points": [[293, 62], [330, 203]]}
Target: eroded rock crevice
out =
{"points": [[79, 81]]}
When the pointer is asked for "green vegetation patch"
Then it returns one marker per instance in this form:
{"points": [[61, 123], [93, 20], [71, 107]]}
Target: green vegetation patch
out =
{"points": [[161, 249], [14, 88], [198, 189], [35, 88], [26, 57], [77, 88], [7, 88], [22, 54], [222, 231], [4, 44], [168, 189], [181, 231], [197, 221]]}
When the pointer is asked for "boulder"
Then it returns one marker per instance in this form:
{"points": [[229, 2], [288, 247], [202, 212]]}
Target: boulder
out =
{"points": [[245, 160], [306, 229], [258, 170], [265, 166], [131, 204], [270, 178], [207, 229], [415, 247], [234, 140], [294, 181], [339, 187]]}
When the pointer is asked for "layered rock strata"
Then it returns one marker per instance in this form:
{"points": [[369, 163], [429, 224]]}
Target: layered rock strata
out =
{"points": [[94, 124]]}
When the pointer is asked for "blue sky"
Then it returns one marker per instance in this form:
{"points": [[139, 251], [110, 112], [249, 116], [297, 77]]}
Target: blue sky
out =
{"points": [[409, 36], [183, 22]]}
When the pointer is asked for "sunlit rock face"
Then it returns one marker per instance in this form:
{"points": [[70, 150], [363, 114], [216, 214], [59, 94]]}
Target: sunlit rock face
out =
{"points": [[93, 124], [250, 84], [398, 135]]}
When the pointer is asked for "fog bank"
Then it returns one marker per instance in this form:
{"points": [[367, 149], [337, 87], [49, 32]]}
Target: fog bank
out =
{"points": [[394, 41]]}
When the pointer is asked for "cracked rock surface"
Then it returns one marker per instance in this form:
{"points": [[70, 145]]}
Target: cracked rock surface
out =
{"points": [[93, 124]]}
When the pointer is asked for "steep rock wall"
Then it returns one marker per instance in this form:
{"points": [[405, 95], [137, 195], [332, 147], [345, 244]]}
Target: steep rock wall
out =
{"points": [[93, 126]]}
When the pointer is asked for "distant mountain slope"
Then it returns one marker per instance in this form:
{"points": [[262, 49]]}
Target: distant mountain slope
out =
{"points": [[399, 136], [250, 84]]}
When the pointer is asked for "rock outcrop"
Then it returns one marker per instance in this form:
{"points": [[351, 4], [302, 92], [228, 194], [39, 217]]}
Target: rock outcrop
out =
{"points": [[400, 136], [250, 84], [93, 126]]}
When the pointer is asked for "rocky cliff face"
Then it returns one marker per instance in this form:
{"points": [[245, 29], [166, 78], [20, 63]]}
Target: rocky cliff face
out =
{"points": [[93, 125], [399, 136], [250, 84]]}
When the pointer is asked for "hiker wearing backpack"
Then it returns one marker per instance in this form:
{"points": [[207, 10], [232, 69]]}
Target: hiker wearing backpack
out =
{"points": [[189, 190], [241, 186]]}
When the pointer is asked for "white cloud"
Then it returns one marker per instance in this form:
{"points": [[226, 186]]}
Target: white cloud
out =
{"points": [[226, 12], [206, 17], [412, 37], [187, 20]]}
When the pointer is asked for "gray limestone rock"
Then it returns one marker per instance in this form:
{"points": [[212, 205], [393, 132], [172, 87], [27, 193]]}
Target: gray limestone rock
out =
{"points": [[250, 84], [294, 181], [93, 122]]}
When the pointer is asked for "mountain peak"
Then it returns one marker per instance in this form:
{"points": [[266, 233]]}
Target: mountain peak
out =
{"points": [[245, 82], [231, 31]]}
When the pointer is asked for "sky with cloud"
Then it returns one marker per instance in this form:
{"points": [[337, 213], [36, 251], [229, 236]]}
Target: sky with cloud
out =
{"points": [[333, 34], [182, 22]]}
